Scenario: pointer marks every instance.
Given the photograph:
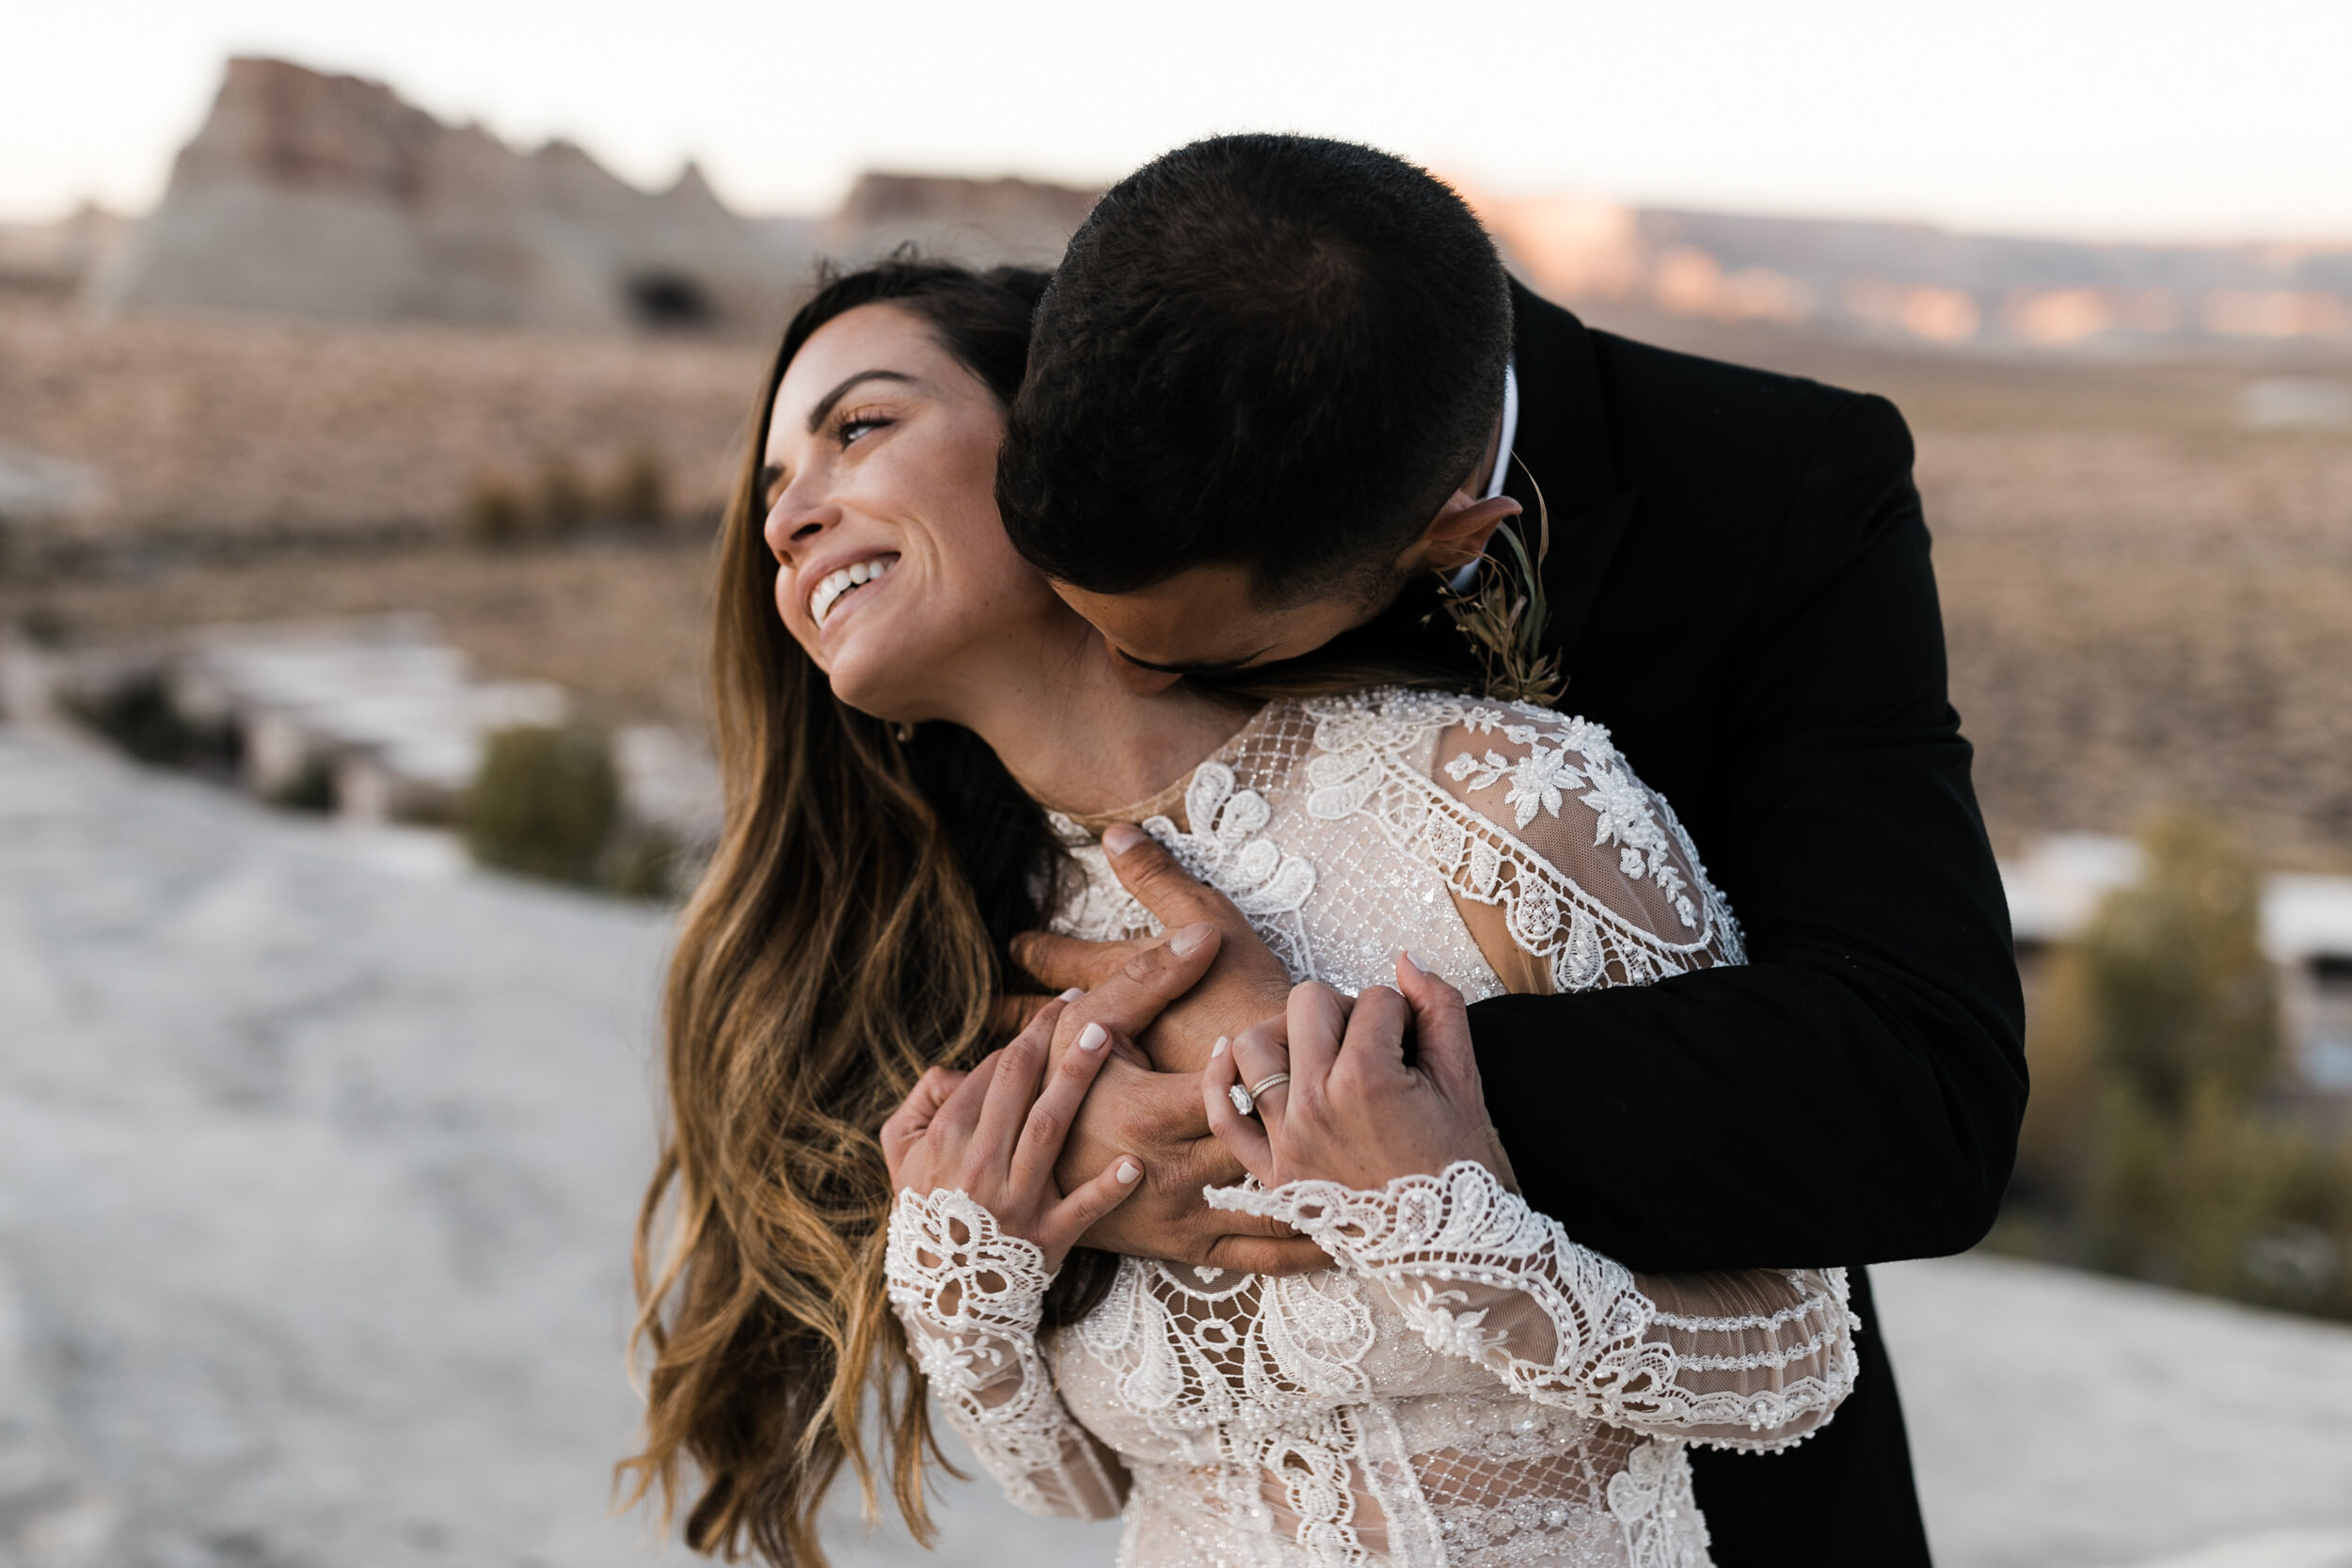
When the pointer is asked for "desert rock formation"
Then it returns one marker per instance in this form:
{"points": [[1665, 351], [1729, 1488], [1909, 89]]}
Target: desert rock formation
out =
{"points": [[1020, 222], [329, 196], [1917, 284]]}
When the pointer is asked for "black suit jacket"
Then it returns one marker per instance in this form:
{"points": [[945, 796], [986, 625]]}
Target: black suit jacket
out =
{"points": [[1741, 586]]}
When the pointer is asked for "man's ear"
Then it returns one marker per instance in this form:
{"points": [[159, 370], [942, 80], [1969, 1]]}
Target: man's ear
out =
{"points": [[1458, 535]]}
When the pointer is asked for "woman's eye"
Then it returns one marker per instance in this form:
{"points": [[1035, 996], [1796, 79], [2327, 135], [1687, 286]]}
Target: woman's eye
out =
{"points": [[854, 425]]}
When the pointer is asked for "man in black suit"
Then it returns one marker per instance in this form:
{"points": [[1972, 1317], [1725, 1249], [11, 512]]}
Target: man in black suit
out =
{"points": [[1255, 367]]}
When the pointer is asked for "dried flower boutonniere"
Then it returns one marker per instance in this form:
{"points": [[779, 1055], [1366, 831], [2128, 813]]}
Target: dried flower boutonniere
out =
{"points": [[1504, 613]]}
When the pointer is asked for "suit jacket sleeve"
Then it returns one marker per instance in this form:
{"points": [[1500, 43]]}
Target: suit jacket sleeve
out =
{"points": [[1853, 1094]]}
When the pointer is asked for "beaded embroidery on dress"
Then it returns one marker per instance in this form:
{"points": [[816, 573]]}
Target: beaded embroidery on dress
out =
{"points": [[1465, 1384]]}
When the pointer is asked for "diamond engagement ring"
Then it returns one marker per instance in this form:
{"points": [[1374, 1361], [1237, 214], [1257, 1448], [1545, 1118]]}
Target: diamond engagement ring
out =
{"points": [[1246, 1101]]}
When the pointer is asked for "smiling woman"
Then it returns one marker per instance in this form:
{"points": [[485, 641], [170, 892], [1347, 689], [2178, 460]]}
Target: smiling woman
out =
{"points": [[851, 930], [893, 571]]}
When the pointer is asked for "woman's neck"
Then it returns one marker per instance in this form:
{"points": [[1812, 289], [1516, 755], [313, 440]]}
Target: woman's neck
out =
{"points": [[1074, 735]]}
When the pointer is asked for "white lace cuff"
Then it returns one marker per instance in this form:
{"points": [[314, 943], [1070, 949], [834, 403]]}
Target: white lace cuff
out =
{"points": [[971, 1298], [1480, 1276]]}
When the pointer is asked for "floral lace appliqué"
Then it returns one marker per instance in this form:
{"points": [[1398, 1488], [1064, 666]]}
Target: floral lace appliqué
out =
{"points": [[971, 1298], [1227, 848], [1624, 811], [1366, 765]]}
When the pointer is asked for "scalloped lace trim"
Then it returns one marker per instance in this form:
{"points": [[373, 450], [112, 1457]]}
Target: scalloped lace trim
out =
{"points": [[1366, 745], [1423, 1235], [971, 1298]]}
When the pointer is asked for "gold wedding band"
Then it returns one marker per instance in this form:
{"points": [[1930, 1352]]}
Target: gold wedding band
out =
{"points": [[1246, 1101]]}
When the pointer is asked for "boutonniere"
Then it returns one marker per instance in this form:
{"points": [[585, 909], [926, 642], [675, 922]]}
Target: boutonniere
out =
{"points": [[1504, 613]]}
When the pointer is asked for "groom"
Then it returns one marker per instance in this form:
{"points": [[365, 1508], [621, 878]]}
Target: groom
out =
{"points": [[1279, 386]]}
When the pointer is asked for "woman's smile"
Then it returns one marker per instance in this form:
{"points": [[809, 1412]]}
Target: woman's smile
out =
{"points": [[836, 587]]}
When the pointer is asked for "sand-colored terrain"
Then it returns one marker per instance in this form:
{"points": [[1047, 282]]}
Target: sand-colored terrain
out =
{"points": [[2148, 602], [318, 1153], [206, 431]]}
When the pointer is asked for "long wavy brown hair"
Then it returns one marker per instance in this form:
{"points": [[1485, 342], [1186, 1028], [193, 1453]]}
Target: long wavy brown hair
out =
{"points": [[850, 932]]}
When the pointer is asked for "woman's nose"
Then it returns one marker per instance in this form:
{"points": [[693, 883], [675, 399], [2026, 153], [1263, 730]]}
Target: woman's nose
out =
{"points": [[796, 521]]}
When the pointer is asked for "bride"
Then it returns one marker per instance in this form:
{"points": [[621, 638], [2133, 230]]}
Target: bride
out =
{"points": [[926, 752]]}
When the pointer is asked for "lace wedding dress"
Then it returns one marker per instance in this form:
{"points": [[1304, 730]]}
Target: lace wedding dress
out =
{"points": [[1465, 1384]]}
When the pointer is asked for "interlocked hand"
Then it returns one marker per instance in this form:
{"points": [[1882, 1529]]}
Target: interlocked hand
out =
{"points": [[994, 1134], [1353, 1109]]}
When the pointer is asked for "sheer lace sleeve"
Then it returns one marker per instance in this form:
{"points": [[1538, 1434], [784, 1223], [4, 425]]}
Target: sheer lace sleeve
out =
{"points": [[1568, 870], [1756, 1359], [971, 1298]]}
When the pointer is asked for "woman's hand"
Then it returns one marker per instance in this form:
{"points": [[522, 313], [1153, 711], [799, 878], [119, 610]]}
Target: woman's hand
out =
{"points": [[1354, 1111], [993, 1134]]}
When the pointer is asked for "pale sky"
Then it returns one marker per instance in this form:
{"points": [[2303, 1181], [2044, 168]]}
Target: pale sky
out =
{"points": [[2158, 119]]}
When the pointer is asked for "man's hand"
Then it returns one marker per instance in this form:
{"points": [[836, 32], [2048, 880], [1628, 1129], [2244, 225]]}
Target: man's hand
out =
{"points": [[1245, 987], [1157, 1117]]}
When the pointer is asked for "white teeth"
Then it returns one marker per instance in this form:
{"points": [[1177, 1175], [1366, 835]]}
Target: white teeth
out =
{"points": [[821, 600]]}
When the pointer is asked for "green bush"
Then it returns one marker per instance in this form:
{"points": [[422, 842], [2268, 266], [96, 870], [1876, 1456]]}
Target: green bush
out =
{"points": [[645, 862], [641, 489], [311, 788], [2156, 1144], [2182, 997], [546, 803], [140, 717], [563, 499], [493, 511]]}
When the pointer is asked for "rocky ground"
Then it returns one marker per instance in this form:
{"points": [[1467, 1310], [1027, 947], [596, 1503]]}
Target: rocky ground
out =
{"points": [[318, 1153], [2149, 600], [210, 430]]}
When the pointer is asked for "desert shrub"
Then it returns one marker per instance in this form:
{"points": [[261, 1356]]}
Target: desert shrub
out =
{"points": [[644, 861], [2156, 1144], [2054, 1144], [493, 511], [2181, 996], [140, 718], [564, 498], [311, 789], [544, 802], [641, 489]]}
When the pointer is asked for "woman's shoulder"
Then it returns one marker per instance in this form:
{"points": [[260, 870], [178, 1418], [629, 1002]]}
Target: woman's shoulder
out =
{"points": [[1395, 718]]}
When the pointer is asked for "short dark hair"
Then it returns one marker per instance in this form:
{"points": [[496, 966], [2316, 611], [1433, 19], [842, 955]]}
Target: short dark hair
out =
{"points": [[1278, 351]]}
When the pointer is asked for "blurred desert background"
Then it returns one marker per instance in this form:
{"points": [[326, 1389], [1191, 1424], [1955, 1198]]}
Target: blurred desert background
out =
{"points": [[382, 454]]}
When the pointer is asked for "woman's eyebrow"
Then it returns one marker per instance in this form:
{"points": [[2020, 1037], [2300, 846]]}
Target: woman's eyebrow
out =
{"points": [[824, 405]]}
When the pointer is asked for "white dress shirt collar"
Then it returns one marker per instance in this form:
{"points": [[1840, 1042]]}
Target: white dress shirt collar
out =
{"points": [[1469, 574]]}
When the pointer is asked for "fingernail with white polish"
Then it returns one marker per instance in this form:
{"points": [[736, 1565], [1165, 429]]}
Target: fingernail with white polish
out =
{"points": [[1092, 1037], [1120, 837], [1072, 994], [1188, 942], [1218, 1049], [1421, 963], [1129, 1171]]}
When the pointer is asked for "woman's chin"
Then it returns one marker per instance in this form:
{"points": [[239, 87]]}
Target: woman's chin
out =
{"points": [[887, 695]]}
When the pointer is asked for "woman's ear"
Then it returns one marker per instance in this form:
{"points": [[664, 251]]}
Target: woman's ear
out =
{"points": [[1458, 535]]}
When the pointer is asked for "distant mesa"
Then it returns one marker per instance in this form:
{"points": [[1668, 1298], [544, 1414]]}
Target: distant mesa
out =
{"points": [[328, 197], [54, 258], [1020, 222], [1920, 285]]}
